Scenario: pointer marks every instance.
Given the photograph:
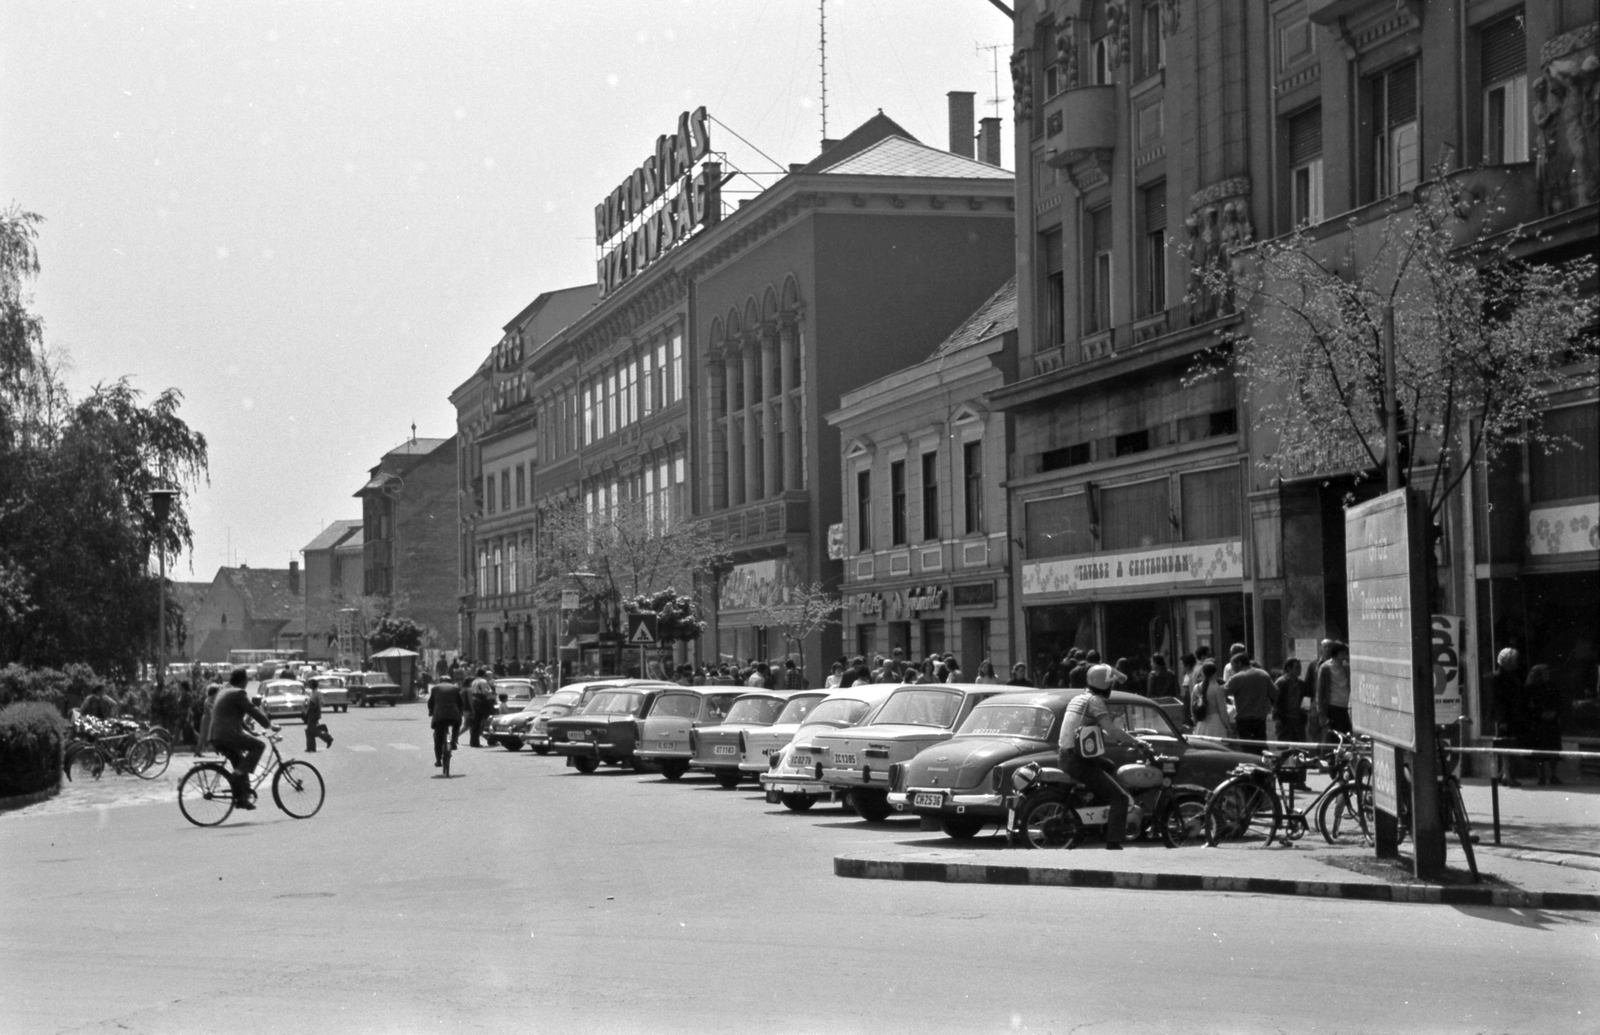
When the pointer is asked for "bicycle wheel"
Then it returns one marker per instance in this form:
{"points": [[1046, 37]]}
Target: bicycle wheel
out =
{"points": [[297, 788], [87, 760], [205, 795], [1456, 817], [1242, 810], [1182, 822], [1345, 815], [161, 754]]}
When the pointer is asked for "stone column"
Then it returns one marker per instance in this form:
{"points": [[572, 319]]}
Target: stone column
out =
{"points": [[752, 476], [769, 414], [789, 342], [735, 478]]}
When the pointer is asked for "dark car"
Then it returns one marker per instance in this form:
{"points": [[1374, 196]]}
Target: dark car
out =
{"points": [[667, 731], [606, 729], [962, 782], [370, 689]]}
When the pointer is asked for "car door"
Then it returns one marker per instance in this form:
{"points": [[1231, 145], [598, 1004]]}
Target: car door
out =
{"points": [[666, 728]]}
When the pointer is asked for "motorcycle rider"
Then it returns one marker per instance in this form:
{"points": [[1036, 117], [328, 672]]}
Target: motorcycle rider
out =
{"points": [[1090, 709]]}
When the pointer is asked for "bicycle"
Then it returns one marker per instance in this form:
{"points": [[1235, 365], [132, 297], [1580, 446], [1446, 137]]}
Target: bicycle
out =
{"points": [[444, 756], [206, 795], [1250, 800], [1452, 809], [123, 744]]}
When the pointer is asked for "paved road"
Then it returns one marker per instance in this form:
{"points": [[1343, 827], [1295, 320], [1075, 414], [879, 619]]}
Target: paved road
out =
{"points": [[523, 897]]}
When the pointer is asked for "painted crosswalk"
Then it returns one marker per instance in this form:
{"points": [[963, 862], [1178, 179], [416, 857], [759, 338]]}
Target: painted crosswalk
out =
{"points": [[362, 747], [394, 746], [404, 747]]}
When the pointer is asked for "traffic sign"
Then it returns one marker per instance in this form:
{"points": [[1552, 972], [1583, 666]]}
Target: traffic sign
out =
{"points": [[569, 600], [642, 629]]}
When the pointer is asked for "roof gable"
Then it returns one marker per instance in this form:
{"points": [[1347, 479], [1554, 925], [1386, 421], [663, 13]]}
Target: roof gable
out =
{"points": [[265, 592], [900, 156], [995, 317]]}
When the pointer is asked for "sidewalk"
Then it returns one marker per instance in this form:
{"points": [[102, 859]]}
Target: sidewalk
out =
{"points": [[1549, 858]]}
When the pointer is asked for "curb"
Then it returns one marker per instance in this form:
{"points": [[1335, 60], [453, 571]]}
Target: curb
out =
{"points": [[978, 873], [22, 801]]}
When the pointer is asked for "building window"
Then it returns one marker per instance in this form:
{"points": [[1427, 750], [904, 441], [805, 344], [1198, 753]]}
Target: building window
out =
{"points": [[1305, 165], [1059, 526], [864, 510], [1503, 68], [1100, 62], [588, 415], [488, 500], [505, 489], [522, 486], [677, 365], [1395, 143], [1133, 442], [972, 486], [494, 572], [1055, 73], [1067, 456], [930, 495], [511, 565], [1152, 43], [1055, 291], [1153, 264], [1136, 516], [1097, 256], [1211, 505], [1568, 468], [897, 503]]}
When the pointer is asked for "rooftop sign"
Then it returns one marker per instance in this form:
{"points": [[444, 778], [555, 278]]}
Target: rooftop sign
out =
{"points": [[672, 193]]}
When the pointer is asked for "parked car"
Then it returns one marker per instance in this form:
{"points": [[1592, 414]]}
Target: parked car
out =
{"points": [[283, 698], [335, 696], [760, 743], [512, 695], [856, 761], [665, 731], [370, 689], [794, 778], [719, 748], [606, 729]]}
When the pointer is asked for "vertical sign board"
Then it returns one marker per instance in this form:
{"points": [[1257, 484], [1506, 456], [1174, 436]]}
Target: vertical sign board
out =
{"points": [[1385, 792], [1446, 658]]}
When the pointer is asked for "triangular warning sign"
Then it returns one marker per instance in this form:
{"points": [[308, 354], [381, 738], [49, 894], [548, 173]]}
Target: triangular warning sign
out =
{"points": [[643, 629]]}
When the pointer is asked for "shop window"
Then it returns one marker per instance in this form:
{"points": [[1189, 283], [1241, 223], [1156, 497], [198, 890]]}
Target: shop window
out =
{"points": [[1211, 505], [1503, 70], [1305, 165], [1066, 456], [1570, 467], [930, 495], [897, 503], [864, 510], [972, 487], [1135, 516], [1058, 526], [1394, 144]]}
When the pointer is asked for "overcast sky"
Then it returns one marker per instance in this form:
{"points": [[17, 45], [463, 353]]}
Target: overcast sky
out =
{"points": [[313, 218]]}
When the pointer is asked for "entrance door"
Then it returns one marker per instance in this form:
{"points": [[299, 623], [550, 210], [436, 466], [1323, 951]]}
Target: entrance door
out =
{"points": [[974, 645], [1136, 629]]}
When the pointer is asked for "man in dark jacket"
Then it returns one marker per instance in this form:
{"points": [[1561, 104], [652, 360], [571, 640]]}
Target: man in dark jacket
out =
{"points": [[482, 704], [1252, 692], [232, 740], [445, 708]]}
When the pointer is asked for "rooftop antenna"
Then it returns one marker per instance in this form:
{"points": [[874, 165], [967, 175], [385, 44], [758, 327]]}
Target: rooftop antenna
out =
{"points": [[994, 58], [822, 48]]}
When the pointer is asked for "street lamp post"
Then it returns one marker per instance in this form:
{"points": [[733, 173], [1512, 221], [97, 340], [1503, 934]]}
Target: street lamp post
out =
{"points": [[161, 506]]}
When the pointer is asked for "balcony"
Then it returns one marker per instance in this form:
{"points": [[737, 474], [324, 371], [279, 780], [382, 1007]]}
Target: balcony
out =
{"points": [[1080, 123], [766, 520]]}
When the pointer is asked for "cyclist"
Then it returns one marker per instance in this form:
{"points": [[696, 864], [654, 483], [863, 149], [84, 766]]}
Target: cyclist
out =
{"points": [[445, 707], [233, 740]]}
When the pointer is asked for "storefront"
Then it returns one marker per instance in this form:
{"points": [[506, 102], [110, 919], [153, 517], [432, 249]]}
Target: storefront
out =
{"points": [[957, 618], [1169, 600]]}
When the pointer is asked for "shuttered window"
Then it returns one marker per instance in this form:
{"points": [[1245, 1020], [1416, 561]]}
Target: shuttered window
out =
{"points": [[1058, 527], [1401, 86], [1052, 251], [1305, 136], [1503, 74], [1100, 221], [1504, 53], [1135, 516], [1211, 505], [1153, 264]]}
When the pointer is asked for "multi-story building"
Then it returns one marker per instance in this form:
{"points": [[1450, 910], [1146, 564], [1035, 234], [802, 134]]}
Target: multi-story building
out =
{"points": [[249, 609], [1156, 138], [924, 536], [408, 531], [334, 575]]}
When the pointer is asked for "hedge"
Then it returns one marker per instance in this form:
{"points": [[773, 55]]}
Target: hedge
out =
{"points": [[31, 737]]}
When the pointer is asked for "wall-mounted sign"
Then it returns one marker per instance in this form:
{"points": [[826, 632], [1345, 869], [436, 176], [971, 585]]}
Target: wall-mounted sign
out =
{"points": [[511, 392], [665, 200], [925, 598], [977, 594], [1199, 564], [867, 603], [836, 542], [754, 584]]}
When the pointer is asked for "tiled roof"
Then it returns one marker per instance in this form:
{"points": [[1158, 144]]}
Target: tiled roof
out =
{"points": [[334, 535], [857, 140], [417, 447], [903, 156], [996, 316], [356, 540], [190, 595], [266, 592]]}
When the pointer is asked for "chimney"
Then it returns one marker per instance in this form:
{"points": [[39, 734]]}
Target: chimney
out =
{"points": [[961, 122], [989, 140], [294, 577]]}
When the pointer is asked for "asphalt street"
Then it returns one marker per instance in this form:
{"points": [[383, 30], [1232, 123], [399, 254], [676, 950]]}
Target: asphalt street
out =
{"points": [[521, 896]]}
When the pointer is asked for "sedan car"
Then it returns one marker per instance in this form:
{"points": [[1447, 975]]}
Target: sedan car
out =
{"points": [[335, 697], [283, 698], [856, 761], [718, 749], [370, 689], [665, 733], [759, 744], [512, 695], [794, 778], [606, 730]]}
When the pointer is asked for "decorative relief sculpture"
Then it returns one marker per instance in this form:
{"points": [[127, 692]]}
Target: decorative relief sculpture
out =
{"points": [[1169, 17], [1218, 228], [1117, 30], [1566, 117], [1067, 52], [1022, 86]]}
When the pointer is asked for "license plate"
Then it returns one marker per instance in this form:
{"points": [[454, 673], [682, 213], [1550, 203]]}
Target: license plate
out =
{"points": [[843, 759], [726, 749], [933, 801], [666, 745], [799, 761]]}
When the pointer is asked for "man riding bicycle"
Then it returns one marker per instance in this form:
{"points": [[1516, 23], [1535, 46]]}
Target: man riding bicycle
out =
{"points": [[233, 740]]}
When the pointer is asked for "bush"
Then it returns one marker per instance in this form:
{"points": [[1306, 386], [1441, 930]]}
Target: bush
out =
{"points": [[31, 737], [32, 684]]}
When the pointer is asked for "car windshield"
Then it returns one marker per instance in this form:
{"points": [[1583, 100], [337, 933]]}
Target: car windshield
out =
{"points": [[760, 710], [682, 706], [330, 682], [1008, 720], [614, 702], [566, 697], [798, 709], [717, 706], [1135, 716], [839, 712], [512, 689], [919, 707]]}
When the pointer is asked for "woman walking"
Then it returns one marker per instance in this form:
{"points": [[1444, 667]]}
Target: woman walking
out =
{"points": [[1210, 705]]}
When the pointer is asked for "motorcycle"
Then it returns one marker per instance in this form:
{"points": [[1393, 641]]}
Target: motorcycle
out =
{"points": [[1049, 809]]}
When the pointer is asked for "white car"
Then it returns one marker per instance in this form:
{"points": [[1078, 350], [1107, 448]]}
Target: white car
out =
{"points": [[793, 777], [335, 697], [283, 698], [512, 695]]}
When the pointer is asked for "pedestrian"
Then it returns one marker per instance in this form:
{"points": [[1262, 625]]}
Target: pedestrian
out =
{"points": [[793, 677], [1186, 676], [445, 709], [1233, 652], [952, 670], [1210, 705], [482, 704], [1252, 692], [1162, 681], [1315, 731], [312, 716], [836, 676], [1510, 710], [986, 676], [1289, 704], [1542, 725], [1333, 689], [1019, 675], [204, 738]]}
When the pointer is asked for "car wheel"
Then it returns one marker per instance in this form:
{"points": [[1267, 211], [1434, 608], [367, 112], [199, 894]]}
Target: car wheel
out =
{"points": [[674, 768], [585, 765], [512, 743], [962, 828], [541, 750], [728, 780], [872, 806], [797, 802]]}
